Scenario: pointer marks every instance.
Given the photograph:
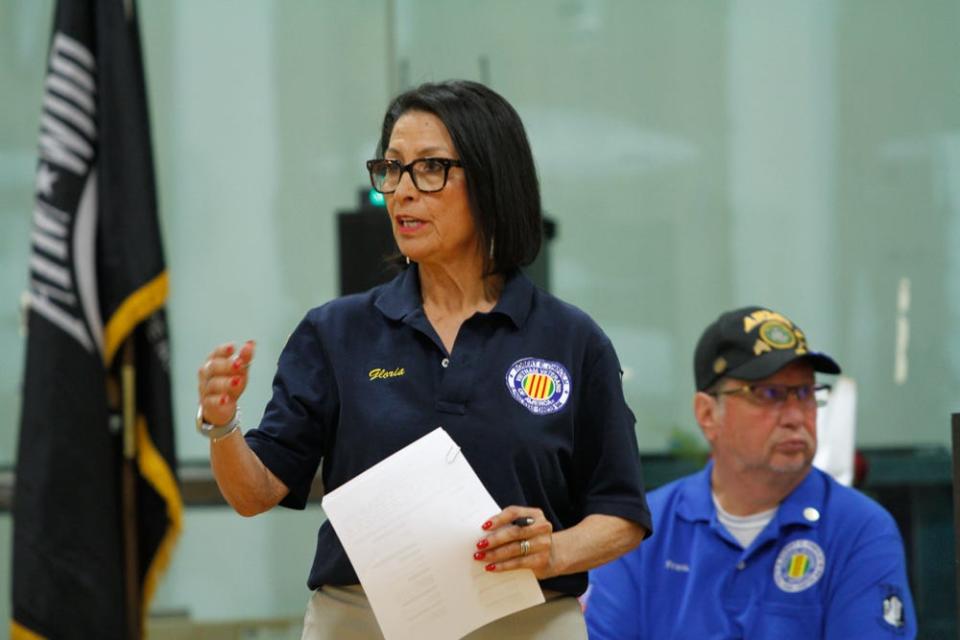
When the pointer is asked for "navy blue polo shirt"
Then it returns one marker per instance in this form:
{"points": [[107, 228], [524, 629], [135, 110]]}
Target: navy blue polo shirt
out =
{"points": [[829, 565], [531, 393]]}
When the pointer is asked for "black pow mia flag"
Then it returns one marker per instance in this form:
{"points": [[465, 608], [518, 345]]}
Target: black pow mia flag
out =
{"points": [[97, 290]]}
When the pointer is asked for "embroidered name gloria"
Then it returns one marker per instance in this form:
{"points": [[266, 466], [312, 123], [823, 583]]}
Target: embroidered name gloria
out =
{"points": [[381, 374]]}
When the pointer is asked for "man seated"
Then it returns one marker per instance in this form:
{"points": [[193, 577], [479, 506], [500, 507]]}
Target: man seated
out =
{"points": [[759, 544]]}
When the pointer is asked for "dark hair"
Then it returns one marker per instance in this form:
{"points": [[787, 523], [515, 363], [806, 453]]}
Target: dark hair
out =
{"points": [[490, 140]]}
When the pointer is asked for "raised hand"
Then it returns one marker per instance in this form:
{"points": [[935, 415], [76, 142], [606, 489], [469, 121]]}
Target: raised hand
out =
{"points": [[222, 379]]}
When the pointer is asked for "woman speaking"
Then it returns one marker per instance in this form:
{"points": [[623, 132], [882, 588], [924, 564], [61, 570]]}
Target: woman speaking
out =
{"points": [[528, 386]]}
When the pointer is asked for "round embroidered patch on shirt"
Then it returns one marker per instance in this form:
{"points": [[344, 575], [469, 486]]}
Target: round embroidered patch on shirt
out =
{"points": [[799, 566], [541, 386]]}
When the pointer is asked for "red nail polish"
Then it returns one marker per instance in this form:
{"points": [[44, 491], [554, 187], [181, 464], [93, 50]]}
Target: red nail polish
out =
{"points": [[236, 365], [491, 567], [234, 382], [223, 400], [230, 350], [487, 524], [480, 555], [483, 544]]}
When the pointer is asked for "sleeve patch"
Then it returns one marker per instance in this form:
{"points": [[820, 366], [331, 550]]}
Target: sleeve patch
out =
{"points": [[892, 613]]}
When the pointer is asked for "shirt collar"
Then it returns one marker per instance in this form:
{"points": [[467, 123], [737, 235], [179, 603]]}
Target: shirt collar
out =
{"points": [[401, 297], [804, 505], [696, 503], [516, 299]]}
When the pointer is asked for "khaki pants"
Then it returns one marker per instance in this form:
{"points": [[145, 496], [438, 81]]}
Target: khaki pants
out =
{"points": [[343, 613]]}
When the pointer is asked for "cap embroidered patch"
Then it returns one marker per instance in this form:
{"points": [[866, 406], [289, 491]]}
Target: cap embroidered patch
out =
{"points": [[541, 386], [720, 365], [777, 334], [799, 566]]}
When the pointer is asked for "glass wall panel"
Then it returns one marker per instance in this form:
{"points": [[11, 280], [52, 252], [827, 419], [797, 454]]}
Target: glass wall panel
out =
{"points": [[704, 155]]}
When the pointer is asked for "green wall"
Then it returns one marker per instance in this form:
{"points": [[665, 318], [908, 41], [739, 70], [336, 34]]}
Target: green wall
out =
{"points": [[697, 155]]}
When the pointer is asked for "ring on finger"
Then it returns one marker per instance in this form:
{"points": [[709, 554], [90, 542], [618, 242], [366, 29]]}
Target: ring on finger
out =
{"points": [[524, 547]]}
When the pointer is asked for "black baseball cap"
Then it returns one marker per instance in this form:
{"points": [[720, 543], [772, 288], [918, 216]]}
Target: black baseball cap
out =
{"points": [[752, 343]]}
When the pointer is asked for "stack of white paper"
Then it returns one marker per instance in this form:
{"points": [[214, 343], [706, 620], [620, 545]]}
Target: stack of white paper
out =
{"points": [[409, 525]]}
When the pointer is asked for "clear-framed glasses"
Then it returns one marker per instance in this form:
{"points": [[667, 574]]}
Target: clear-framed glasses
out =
{"points": [[775, 394], [428, 174]]}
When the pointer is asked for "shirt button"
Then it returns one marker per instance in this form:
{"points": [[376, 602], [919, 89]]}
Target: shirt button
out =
{"points": [[445, 363], [741, 565]]}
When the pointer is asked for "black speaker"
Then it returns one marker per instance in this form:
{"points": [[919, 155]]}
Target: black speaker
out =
{"points": [[366, 246]]}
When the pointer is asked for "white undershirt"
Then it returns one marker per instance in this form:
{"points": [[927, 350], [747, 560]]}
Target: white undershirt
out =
{"points": [[743, 528]]}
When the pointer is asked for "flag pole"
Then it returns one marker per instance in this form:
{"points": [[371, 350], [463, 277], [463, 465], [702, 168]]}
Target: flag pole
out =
{"points": [[131, 567]]}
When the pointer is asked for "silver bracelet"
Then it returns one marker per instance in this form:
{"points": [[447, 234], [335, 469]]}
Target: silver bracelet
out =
{"points": [[213, 432]]}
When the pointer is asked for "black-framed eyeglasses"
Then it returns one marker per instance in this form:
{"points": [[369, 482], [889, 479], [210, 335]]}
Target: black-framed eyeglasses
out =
{"points": [[774, 394], [428, 174]]}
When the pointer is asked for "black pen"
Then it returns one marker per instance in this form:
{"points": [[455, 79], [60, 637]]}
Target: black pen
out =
{"points": [[523, 522]]}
